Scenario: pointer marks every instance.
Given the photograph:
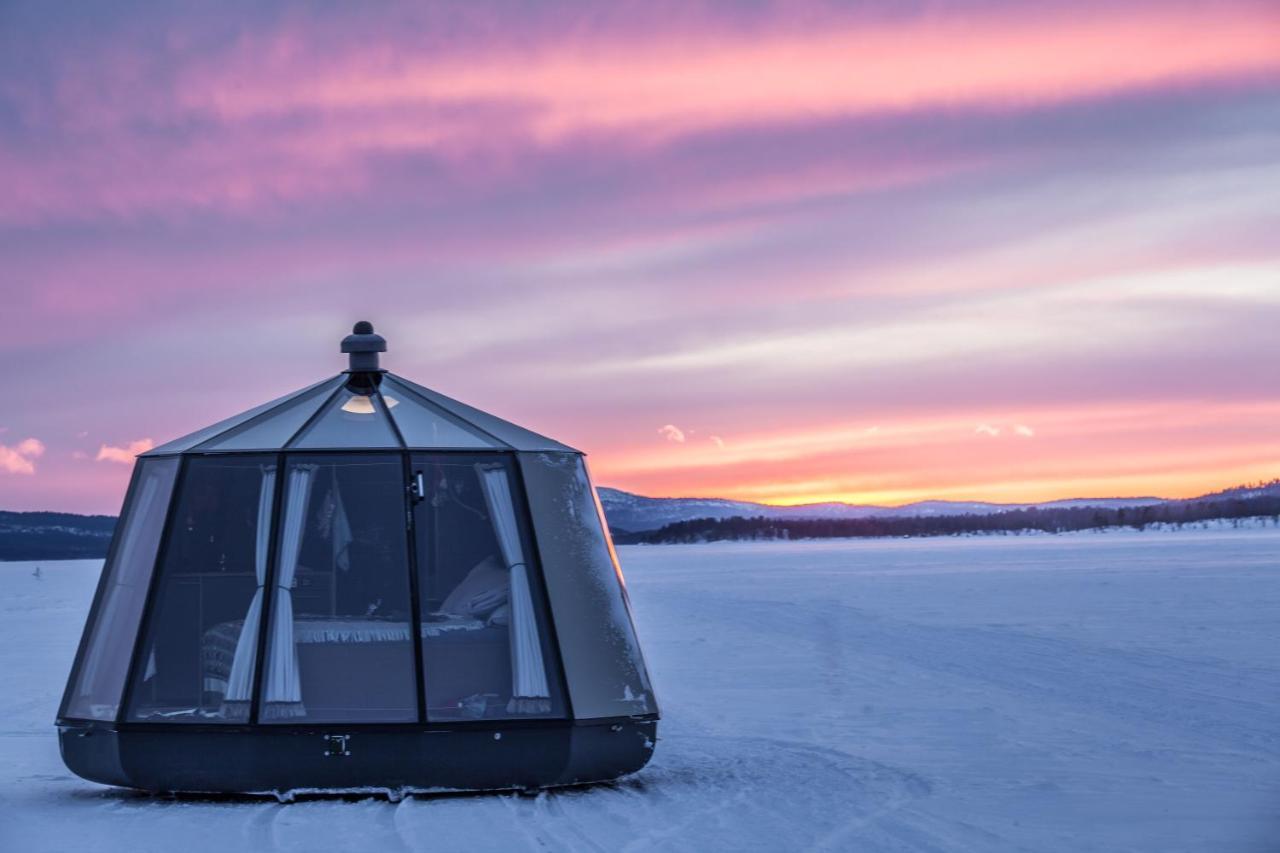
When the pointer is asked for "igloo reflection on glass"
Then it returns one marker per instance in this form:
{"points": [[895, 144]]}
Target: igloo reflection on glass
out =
{"points": [[361, 584]]}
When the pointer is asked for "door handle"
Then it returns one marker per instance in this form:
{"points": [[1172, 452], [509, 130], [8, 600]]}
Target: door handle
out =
{"points": [[419, 486]]}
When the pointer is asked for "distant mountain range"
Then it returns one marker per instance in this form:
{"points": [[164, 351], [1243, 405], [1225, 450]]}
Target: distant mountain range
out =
{"points": [[65, 536], [637, 513], [658, 520]]}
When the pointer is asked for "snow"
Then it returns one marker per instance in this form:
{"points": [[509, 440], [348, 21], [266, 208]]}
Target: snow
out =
{"points": [[1114, 692]]}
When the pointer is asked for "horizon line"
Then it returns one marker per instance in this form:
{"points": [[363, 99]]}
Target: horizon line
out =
{"points": [[899, 505]]}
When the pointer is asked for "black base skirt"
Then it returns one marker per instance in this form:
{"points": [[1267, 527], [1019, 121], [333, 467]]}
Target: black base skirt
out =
{"points": [[290, 760]]}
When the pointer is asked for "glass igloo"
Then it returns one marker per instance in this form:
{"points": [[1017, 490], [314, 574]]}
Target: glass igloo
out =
{"points": [[363, 584]]}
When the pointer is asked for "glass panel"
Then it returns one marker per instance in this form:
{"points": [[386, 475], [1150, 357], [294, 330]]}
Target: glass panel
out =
{"points": [[514, 436], [354, 418], [190, 440], [340, 645], [602, 660], [486, 650], [422, 426], [113, 627], [198, 660], [274, 431]]}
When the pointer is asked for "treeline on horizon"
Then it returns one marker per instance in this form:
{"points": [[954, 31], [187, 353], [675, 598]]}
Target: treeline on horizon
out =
{"points": [[1044, 520], [54, 535]]}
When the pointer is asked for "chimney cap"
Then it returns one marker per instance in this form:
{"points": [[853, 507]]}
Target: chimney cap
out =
{"points": [[364, 344]]}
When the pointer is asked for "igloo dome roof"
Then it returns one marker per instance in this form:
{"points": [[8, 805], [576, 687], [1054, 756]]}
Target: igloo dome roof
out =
{"points": [[364, 407]]}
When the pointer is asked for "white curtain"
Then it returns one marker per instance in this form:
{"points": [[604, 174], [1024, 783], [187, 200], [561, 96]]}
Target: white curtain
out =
{"points": [[529, 694], [341, 537], [239, 686], [283, 690]]}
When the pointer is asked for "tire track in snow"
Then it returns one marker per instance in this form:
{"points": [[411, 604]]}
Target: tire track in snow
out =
{"points": [[561, 821], [758, 793], [387, 812], [533, 838], [260, 829], [398, 818]]}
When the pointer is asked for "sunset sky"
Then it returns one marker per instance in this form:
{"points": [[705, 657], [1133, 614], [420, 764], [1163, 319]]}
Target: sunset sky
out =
{"points": [[787, 252]]}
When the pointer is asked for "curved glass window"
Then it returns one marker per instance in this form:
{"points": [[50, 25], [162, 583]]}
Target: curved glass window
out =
{"points": [[98, 682], [197, 662], [485, 641], [340, 643], [602, 661]]}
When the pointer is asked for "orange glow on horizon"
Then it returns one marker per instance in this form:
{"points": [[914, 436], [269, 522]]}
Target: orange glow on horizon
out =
{"points": [[1159, 449], [1171, 486]]}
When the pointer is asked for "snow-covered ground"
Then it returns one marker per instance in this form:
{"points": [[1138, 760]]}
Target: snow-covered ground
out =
{"points": [[1073, 693]]}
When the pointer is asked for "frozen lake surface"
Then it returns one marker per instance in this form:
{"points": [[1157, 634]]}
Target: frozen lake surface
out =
{"points": [[1090, 692]]}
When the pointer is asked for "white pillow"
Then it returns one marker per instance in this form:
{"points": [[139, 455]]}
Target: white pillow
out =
{"points": [[482, 591]]}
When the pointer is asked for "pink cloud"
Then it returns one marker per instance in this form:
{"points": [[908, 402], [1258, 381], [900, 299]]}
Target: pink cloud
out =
{"points": [[671, 432], [290, 115], [124, 455], [20, 459], [708, 76]]}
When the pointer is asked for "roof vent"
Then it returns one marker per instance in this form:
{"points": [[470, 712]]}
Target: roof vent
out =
{"points": [[364, 346]]}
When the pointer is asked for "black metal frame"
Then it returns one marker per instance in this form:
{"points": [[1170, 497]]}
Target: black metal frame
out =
{"points": [[263, 760], [438, 726]]}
